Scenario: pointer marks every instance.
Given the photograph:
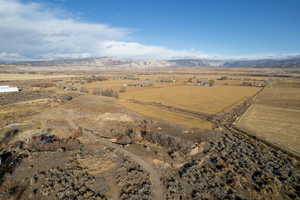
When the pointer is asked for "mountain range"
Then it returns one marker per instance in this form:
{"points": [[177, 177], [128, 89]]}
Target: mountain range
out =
{"points": [[115, 63]]}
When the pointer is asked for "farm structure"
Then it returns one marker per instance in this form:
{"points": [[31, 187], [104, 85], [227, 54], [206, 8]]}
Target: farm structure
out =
{"points": [[166, 80], [6, 88], [201, 83]]}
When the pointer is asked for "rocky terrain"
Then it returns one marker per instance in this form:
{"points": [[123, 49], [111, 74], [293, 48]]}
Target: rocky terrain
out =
{"points": [[218, 166], [236, 167]]}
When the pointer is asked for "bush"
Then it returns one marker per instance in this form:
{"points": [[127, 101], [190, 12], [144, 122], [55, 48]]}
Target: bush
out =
{"points": [[43, 85], [97, 91], [123, 89], [84, 90], [105, 92], [110, 93]]}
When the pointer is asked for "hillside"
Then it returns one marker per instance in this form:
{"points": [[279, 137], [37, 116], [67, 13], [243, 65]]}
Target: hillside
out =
{"points": [[288, 62]]}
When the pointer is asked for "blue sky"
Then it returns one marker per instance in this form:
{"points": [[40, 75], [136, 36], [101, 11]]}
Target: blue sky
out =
{"points": [[181, 28], [215, 26]]}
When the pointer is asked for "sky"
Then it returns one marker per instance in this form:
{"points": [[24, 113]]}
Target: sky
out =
{"points": [[164, 29]]}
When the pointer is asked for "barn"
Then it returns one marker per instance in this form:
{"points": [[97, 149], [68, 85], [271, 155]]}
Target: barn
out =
{"points": [[6, 88]]}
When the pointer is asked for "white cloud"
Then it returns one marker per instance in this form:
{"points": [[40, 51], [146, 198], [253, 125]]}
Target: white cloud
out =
{"points": [[10, 56], [137, 50], [50, 56], [33, 31]]}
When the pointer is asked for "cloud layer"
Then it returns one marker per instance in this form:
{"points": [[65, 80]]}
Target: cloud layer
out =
{"points": [[137, 50], [33, 31]]}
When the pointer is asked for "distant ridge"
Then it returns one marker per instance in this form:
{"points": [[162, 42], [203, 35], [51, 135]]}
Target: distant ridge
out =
{"points": [[290, 62], [107, 63], [287, 62]]}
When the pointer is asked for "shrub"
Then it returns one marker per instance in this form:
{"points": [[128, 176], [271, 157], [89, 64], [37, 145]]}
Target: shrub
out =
{"points": [[97, 91], [123, 89], [110, 93], [84, 90], [43, 85], [105, 92]]}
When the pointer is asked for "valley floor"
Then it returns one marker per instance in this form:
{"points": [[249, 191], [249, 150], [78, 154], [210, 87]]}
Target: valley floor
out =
{"points": [[58, 144]]}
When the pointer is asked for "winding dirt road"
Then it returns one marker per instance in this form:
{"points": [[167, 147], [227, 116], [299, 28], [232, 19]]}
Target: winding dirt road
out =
{"points": [[155, 177]]}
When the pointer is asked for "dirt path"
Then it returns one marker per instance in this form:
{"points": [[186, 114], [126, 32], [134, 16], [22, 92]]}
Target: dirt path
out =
{"points": [[156, 185]]}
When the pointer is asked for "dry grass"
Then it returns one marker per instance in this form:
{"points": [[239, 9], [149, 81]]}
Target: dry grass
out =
{"points": [[280, 126], [169, 116], [116, 85], [275, 116], [194, 98], [21, 111], [113, 84], [283, 97], [10, 77], [96, 166]]}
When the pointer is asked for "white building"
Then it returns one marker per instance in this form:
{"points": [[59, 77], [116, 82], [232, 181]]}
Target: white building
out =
{"points": [[6, 88]]}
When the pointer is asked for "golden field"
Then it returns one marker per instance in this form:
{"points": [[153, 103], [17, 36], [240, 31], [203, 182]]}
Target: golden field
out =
{"points": [[275, 117], [209, 100], [169, 116], [280, 126], [283, 97]]}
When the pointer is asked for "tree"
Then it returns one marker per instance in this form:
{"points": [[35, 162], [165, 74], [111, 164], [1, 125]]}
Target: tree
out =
{"points": [[211, 82]]}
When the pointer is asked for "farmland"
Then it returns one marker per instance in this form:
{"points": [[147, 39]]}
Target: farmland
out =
{"points": [[209, 100], [166, 115], [69, 132], [280, 126], [275, 116]]}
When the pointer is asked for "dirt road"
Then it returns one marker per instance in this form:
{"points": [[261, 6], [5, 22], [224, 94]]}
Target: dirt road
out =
{"points": [[155, 177]]}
